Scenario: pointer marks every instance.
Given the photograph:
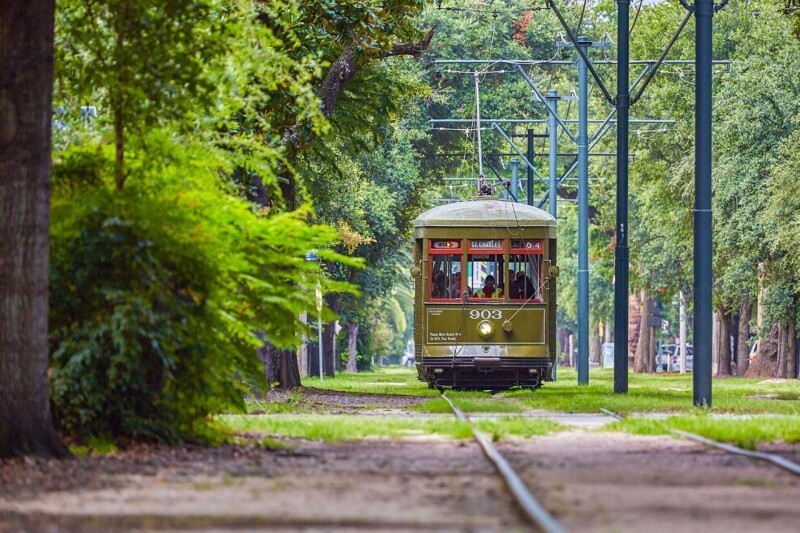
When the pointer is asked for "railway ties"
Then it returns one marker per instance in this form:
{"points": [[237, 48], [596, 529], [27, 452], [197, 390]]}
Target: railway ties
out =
{"points": [[777, 460], [533, 510]]}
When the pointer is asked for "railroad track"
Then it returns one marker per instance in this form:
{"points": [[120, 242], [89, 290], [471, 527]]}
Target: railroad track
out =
{"points": [[531, 508], [775, 459]]}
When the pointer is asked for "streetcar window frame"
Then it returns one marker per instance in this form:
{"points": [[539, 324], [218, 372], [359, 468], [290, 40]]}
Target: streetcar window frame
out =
{"points": [[530, 253], [434, 252], [490, 252]]}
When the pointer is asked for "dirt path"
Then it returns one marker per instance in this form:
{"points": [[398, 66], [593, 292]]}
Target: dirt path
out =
{"points": [[617, 482], [592, 481], [368, 485]]}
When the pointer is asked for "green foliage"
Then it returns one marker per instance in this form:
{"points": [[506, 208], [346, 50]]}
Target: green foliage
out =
{"points": [[158, 292]]}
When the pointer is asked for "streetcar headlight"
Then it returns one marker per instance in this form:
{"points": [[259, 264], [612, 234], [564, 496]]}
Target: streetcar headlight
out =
{"points": [[485, 329]]}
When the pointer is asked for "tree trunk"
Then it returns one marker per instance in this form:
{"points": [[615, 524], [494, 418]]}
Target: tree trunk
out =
{"points": [[715, 343], [651, 352], [640, 358], [563, 341], [26, 85], [352, 343], [742, 348], [334, 303], [724, 351], [780, 370], [634, 326], [328, 359], [280, 366], [766, 360], [683, 330], [597, 345], [302, 351], [791, 348]]}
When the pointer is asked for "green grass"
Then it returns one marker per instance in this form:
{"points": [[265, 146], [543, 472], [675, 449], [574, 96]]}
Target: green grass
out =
{"points": [[338, 428], [658, 393], [773, 405], [391, 380], [743, 432], [469, 405], [518, 427]]}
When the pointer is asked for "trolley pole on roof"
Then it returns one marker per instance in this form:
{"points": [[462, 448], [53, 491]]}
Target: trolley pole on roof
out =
{"points": [[621, 248]]}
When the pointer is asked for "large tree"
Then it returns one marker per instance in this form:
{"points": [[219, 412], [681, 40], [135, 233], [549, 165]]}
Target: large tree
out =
{"points": [[26, 85]]}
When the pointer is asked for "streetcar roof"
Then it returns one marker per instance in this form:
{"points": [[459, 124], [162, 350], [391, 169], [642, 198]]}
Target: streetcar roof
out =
{"points": [[485, 213]]}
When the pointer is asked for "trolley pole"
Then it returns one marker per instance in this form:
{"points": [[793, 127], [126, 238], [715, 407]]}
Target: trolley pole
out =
{"points": [[319, 326], [621, 249], [552, 130], [583, 217], [703, 13]]}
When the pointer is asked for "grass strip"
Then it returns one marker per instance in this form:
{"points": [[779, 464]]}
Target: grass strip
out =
{"points": [[340, 428], [746, 433]]}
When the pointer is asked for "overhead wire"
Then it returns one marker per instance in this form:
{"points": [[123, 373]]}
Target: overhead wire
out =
{"points": [[638, 10], [580, 20]]}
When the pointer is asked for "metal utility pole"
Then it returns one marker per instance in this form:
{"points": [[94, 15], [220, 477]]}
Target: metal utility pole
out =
{"points": [[319, 326], [583, 216], [530, 170], [621, 248], [552, 130], [703, 13], [515, 178]]}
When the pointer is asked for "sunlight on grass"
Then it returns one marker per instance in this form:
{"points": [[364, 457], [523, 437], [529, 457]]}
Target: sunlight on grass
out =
{"points": [[384, 380], [744, 432], [658, 393], [486, 404], [338, 428]]}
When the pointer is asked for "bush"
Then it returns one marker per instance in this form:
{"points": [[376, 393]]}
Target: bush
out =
{"points": [[157, 293]]}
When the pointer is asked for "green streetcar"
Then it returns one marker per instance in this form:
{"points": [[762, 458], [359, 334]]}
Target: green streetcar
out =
{"points": [[485, 295]]}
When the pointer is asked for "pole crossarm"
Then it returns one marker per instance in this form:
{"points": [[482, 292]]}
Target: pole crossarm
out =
{"points": [[544, 121], [661, 59], [518, 151], [605, 62], [543, 99], [582, 52]]}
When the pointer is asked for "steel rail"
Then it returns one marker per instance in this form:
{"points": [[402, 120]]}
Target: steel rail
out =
{"points": [[540, 517], [775, 459]]}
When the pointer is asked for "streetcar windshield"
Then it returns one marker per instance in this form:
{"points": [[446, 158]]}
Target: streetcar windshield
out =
{"points": [[485, 272]]}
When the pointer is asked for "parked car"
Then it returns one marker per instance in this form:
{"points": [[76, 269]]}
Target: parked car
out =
{"points": [[668, 358], [676, 358], [665, 353], [408, 359]]}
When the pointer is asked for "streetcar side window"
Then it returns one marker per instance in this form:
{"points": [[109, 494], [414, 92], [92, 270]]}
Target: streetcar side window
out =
{"points": [[445, 280], [525, 270]]}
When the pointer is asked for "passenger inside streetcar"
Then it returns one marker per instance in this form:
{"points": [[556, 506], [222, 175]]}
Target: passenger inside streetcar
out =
{"points": [[489, 290]]}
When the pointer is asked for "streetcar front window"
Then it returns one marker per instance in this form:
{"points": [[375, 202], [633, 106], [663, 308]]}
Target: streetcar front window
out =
{"points": [[485, 272]]}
